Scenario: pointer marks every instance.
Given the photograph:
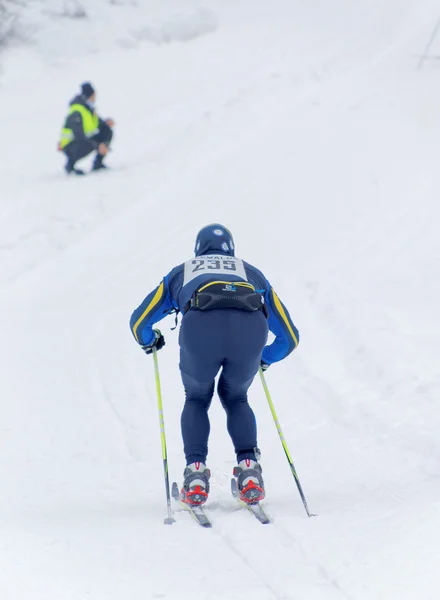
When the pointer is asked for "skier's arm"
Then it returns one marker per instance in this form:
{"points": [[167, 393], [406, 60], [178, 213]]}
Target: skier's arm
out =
{"points": [[106, 123], [157, 305], [75, 123], [281, 325]]}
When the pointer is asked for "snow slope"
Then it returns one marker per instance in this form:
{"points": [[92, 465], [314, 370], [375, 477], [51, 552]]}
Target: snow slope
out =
{"points": [[307, 129]]}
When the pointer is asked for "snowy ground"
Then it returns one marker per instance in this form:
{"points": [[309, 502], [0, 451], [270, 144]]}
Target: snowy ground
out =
{"points": [[306, 128]]}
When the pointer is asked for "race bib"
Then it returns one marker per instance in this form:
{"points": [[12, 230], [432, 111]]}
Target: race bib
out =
{"points": [[213, 265]]}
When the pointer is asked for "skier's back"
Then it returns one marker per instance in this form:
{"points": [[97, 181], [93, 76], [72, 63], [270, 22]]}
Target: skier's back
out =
{"points": [[228, 307]]}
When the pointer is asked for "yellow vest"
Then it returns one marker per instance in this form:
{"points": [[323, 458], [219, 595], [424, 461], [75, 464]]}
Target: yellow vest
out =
{"points": [[90, 124]]}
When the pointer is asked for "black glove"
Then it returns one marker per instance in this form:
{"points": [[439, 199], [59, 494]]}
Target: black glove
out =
{"points": [[264, 366], [156, 344]]}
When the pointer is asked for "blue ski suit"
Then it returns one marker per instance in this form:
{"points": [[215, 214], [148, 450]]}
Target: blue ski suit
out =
{"points": [[229, 339]]}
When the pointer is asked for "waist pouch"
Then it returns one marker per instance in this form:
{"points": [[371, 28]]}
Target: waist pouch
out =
{"points": [[227, 294]]}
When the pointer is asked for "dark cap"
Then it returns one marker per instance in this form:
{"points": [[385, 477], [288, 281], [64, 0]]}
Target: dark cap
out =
{"points": [[214, 238], [87, 89]]}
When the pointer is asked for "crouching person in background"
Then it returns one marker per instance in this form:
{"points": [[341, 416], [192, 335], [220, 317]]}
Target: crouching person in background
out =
{"points": [[85, 132]]}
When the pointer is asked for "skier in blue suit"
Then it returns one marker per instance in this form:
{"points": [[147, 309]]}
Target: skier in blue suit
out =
{"points": [[228, 307]]}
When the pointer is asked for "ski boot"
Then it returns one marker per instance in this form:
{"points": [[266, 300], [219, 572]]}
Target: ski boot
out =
{"points": [[195, 488], [70, 168], [249, 481]]}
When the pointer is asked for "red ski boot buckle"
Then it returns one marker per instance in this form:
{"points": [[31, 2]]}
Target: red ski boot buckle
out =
{"points": [[194, 496]]}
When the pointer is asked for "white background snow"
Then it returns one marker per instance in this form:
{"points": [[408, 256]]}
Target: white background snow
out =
{"points": [[307, 129]]}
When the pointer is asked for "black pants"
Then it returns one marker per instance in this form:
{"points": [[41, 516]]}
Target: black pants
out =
{"points": [[227, 339], [81, 148]]}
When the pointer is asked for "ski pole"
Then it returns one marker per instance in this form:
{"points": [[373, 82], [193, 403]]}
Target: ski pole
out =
{"points": [[283, 442], [428, 46], [169, 519]]}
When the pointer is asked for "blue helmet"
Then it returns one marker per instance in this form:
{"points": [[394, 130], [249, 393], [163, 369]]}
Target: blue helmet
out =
{"points": [[214, 238]]}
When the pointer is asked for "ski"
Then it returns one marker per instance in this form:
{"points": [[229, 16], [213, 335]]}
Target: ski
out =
{"points": [[256, 509], [199, 515], [258, 512], [197, 512]]}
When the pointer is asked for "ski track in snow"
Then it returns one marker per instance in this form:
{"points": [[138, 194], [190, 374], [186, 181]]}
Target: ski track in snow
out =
{"points": [[307, 129]]}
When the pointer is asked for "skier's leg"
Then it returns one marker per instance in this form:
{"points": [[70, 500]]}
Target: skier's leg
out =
{"points": [[240, 366], [75, 151], [200, 360], [194, 420], [104, 136], [248, 336]]}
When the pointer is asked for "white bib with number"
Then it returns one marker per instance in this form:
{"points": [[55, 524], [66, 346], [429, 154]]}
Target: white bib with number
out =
{"points": [[212, 264]]}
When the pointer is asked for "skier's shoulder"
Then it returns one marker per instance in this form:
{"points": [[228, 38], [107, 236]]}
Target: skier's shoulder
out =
{"points": [[75, 117], [175, 271], [78, 99], [174, 279], [255, 276]]}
